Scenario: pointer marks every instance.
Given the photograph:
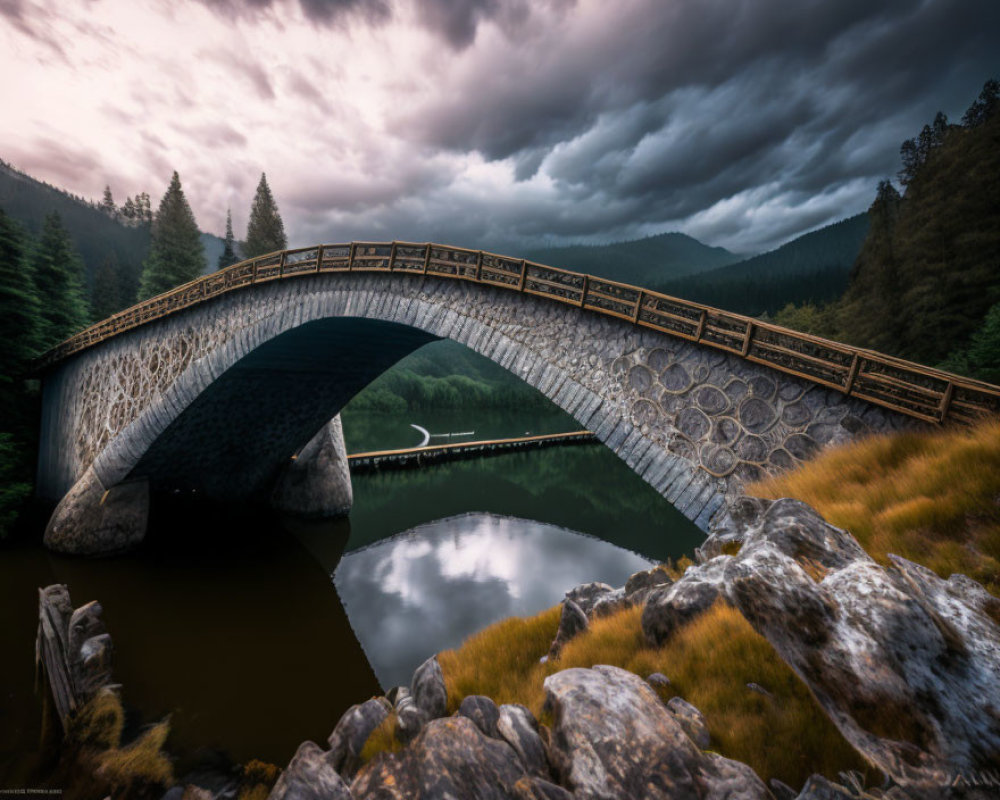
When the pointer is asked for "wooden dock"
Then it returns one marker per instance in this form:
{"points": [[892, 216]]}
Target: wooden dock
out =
{"points": [[410, 457]]}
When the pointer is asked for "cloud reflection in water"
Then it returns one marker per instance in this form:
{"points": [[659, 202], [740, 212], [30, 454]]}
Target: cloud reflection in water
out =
{"points": [[428, 588]]}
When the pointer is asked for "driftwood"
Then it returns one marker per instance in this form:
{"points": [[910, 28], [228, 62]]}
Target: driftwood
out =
{"points": [[72, 650]]}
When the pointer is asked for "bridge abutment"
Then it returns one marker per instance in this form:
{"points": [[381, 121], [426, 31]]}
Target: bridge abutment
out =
{"points": [[93, 519], [318, 482]]}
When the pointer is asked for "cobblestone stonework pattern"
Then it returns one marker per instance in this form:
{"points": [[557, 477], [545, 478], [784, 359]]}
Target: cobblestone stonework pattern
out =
{"points": [[694, 422]]}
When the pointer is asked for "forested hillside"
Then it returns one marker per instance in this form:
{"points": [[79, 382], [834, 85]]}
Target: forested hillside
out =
{"points": [[112, 246], [649, 262], [928, 274], [813, 268]]}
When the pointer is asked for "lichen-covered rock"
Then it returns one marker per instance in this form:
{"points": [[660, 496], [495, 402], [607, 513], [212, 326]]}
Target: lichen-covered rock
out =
{"points": [[539, 789], [609, 603], [668, 608], [517, 726], [729, 526], [310, 775], [450, 758], [352, 731], [586, 594], [613, 738], [641, 584], [572, 621], [658, 680], [410, 719], [483, 711], [906, 664], [691, 720], [428, 690]]}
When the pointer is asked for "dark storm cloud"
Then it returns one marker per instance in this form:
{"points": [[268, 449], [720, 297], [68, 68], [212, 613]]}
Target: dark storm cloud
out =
{"points": [[667, 109], [322, 12]]}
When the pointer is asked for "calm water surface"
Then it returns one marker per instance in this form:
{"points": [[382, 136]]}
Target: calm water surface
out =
{"points": [[237, 625]]}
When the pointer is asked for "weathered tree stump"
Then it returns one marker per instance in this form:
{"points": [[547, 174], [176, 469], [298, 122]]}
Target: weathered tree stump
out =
{"points": [[72, 650]]}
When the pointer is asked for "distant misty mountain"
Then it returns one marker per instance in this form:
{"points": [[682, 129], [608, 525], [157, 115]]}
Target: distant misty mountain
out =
{"points": [[649, 262], [812, 268]]}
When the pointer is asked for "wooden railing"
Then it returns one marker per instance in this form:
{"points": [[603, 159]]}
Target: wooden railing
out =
{"points": [[918, 391]]}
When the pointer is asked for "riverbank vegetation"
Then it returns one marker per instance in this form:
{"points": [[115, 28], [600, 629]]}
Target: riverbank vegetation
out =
{"points": [[930, 497]]}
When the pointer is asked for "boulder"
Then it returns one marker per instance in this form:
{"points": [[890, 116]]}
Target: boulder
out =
{"points": [[586, 594], [670, 607], [428, 689], [352, 731], [483, 711], [730, 526], [410, 719], [539, 789], [517, 726], [691, 720], [905, 663], [573, 621], [612, 737], [450, 758], [310, 775], [639, 585], [609, 603]]}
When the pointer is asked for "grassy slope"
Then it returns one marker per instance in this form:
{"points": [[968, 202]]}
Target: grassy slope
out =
{"points": [[929, 497]]}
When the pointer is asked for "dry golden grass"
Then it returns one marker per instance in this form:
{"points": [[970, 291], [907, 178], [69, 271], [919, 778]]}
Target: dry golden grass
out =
{"points": [[928, 497], [382, 739], [140, 764], [95, 763], [709, 663]]}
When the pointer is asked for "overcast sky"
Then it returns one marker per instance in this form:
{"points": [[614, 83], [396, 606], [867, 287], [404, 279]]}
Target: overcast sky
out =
{"points": [[492, 123]]}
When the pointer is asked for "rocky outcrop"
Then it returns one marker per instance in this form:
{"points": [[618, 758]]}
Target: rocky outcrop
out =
{"points": [[428, 690], [668, 608], [612, 737], [449, 758], [572, 622], [310, 776], [905, 663], [352, 731], [482, 711]]}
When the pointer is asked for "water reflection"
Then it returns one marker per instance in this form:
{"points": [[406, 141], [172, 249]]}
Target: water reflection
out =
{"points": [[427, 589]]}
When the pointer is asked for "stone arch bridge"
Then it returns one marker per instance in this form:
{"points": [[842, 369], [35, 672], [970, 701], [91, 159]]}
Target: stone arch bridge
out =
{"points": [[217, 384]]}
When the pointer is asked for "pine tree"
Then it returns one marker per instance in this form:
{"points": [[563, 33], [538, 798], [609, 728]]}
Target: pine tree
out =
{"points": [[228, 256], [106, 299], [19, 310], [128, 210], [265, 230], [108, 204], [176, 254], [58, 273]]}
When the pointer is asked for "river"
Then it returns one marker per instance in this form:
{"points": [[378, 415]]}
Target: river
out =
{"points": [[256, 632]]}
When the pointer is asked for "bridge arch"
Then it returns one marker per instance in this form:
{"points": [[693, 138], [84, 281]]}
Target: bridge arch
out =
{"points": [[217, 393]]}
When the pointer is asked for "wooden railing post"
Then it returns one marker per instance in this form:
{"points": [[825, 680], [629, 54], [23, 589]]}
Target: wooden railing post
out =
{"points": [[427, 258], [746, 339], [524, 272], [638, 307], [949, 393], [479, 267], [392, 256], [583, 290], [281, 264], [350, 258], [852, 374], [319, 257], [701, 325]]}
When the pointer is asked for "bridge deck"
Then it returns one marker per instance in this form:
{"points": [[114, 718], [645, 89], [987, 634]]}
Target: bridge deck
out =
{"points": [[918, 391]]}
